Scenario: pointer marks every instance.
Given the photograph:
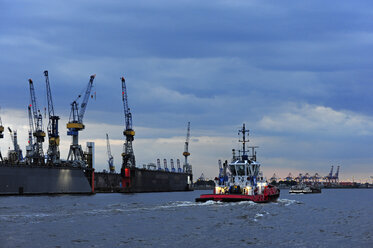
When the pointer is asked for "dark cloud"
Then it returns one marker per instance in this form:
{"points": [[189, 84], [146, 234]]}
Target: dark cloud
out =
{"points": [[215, 63]]}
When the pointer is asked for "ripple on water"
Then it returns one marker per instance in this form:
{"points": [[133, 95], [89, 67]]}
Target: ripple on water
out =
{"points": [[288, 202]]}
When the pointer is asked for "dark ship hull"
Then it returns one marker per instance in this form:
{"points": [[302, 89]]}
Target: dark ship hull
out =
{"points": [[36, 180], [136, 180], [45, 180]]}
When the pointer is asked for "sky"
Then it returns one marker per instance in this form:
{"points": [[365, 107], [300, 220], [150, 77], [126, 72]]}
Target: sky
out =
{"points": [[297, 73]]}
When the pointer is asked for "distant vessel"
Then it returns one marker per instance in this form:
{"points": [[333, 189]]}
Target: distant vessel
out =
{"points": [[242, 180], [304, 189]]}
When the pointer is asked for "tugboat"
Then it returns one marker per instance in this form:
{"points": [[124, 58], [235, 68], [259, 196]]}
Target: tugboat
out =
{"points": [[241, 180]]}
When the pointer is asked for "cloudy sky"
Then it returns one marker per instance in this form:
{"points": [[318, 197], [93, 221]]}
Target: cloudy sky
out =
{"points": [[298, 73]]}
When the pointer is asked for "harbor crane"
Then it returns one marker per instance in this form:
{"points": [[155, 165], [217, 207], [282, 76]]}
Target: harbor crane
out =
{"points": [[307, 177], [172, 165], [165, 165], [336, 175], [159, 164], [329, 177], [30, 146], [178, 165], [1, 129], [187, 167], [273, 178], [128, 155], [52, 129], [289, 177], [202, 177], [16, 154], [110, 157], [1, 136], [75, 125], [39, 134], [316, 178]]}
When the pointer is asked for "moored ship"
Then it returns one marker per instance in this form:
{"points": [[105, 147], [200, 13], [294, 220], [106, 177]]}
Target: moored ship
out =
{"points": [[21, 179], [304, 189], [241, 179], [139, 180]]}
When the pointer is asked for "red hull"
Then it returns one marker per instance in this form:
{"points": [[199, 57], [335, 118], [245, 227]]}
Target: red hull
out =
{"points": [[269, 195]]}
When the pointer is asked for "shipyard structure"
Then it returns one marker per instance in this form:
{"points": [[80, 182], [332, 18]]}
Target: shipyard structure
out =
{"points": [[47, 173]]}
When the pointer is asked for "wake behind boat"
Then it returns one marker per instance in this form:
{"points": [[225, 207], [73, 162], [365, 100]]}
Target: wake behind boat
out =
{"points": [[241, 180]]}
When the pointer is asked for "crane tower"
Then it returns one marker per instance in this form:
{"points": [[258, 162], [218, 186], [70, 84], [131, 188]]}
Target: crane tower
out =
{"points": [[39, 134], [128, 154], [110, 157], [30, 146], [75, 125], [1, 129], [1, 136], [187, 167], [53, 136], [16, 154]]}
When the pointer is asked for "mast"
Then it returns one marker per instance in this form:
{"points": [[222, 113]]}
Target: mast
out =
{"points": [[244, 141]]}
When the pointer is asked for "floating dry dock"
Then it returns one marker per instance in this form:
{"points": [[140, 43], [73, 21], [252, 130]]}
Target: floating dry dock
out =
{"points": [[142, 180], [33, 180]]}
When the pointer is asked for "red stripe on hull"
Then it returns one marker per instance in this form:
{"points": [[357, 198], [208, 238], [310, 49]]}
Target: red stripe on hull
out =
{"points": [[262, 198]]}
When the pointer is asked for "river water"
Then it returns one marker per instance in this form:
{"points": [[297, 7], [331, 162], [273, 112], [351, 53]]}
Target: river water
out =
{"points": [[334, 218]]}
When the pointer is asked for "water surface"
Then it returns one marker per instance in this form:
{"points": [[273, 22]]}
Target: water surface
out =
{"points": [[334, 218]]}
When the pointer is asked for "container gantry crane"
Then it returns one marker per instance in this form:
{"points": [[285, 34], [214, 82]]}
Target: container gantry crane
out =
{"points": [[336, 175], [53, 136], [75, 125], [187, 167], [159, 164], [128, 154], [110, 157], [165, 165], [329, 177], [39, 134], [290, 177]]}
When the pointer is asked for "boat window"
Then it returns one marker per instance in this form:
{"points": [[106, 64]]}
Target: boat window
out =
{"points": [[232, 169], [241, 170]]}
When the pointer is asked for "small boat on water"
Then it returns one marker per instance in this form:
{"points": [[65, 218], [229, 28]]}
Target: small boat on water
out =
{"points": [[241, 179], [304, 189]]}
